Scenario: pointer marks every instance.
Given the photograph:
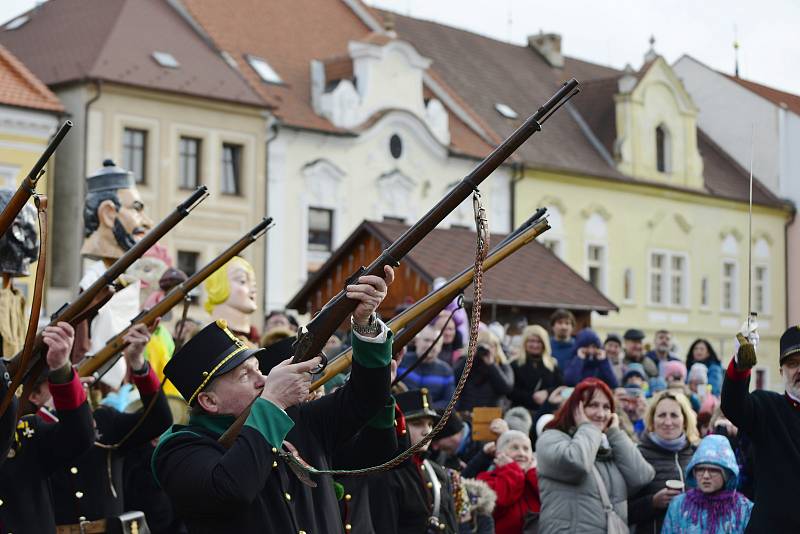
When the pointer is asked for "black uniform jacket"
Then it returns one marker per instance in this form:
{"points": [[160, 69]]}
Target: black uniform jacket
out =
{"points": [[8, 419], [376, 444], [772, 422], [85, 488], [401, 502], [249, 488], [39, 449]]}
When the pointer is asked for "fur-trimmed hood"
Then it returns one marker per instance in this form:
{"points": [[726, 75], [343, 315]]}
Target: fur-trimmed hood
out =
{"points": [[482, 498]]}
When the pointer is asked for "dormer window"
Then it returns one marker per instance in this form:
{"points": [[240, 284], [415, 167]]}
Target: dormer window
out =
{"points": [[263, 69], [506, 111], [663, 150]]}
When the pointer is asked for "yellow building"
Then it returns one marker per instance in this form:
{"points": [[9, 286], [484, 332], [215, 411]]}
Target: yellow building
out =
{"points": [[146, 89], [641, 202], [29, 114]]}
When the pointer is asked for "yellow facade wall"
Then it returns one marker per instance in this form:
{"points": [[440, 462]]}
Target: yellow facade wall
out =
{"points": [[641, 218]]}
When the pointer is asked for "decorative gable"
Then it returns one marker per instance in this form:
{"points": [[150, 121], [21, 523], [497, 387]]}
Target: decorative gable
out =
{"points": [[379, 73], [657, 127]]}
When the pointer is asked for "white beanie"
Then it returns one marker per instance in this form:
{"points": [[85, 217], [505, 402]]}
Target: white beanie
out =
{"points": [[698, 373]]}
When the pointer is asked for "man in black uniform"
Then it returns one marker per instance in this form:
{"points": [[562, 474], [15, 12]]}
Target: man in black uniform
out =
{"points": [[90, 489], [772, 423], [39, 448], [415, 497], [249, 487]]}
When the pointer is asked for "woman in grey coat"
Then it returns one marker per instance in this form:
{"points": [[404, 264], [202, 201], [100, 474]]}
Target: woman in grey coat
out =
{"points": [[584, 434]]}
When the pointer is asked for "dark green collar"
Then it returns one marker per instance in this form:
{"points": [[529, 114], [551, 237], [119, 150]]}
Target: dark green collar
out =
{"points": [[217, 424]]}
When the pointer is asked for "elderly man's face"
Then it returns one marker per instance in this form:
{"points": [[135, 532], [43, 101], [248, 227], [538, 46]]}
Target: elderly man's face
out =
{"points": [[663, 341], [232, 393], [790, 371]]}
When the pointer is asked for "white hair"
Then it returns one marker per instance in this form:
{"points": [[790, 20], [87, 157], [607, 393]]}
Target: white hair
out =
{"points": [[508, 436]]}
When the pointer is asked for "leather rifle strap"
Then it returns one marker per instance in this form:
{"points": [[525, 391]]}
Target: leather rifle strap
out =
{"points": [[38, 289]]}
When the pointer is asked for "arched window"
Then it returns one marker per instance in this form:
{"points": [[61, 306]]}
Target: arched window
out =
{"points": [[663, 149]]}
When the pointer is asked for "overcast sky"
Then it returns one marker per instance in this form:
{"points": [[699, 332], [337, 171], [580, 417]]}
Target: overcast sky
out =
{"points": [[616, 32]]}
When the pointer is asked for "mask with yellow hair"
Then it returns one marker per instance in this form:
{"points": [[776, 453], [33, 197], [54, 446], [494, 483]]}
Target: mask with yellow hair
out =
{"points": [[231, 293]]}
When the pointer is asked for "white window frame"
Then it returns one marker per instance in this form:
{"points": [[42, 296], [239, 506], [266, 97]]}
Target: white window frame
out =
{"points": [[705, 291], [666, 279], [602, 264], [629, 280], [734, 307], [765, 288]]}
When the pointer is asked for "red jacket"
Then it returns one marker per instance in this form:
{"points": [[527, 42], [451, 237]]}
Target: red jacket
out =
{"points": [[517, 494]]}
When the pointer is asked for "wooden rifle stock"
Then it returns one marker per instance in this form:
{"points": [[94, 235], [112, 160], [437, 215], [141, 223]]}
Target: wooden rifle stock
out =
{"points": [[312, 338], [108, 355], [28, 185], [71, 313], [413, 319]]}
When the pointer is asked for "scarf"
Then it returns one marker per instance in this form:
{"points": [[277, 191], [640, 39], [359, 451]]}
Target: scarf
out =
{"points": [[719, 506], [672, 445]]}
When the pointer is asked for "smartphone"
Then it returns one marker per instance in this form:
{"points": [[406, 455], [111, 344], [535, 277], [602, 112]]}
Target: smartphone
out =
{"points": [[566, 392]]}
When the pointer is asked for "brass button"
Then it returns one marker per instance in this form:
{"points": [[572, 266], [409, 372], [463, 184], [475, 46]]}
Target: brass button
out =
{"points": [[274, 465], [82, 518], [348, 527], [73, 470], [441, 526], [348, 497], [274, 450], [429, 485], [301, 532], [288, 497], [403, 432], [1, 502], [79, 494]]}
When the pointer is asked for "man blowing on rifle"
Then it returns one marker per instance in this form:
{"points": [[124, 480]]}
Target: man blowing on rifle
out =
{"points": [[250, 487]]}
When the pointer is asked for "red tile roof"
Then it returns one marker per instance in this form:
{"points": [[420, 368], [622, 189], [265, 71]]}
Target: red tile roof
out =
{"points": [[532, 277], [271, 30], [68, 41], [781, 98], [20, 88]]}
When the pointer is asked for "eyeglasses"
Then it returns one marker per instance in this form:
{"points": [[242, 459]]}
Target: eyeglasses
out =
{"points": [[711, 471]]}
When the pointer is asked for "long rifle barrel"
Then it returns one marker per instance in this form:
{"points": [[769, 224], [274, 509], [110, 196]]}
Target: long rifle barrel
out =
{"points": [[109, 354], [313, 337], [72, 313], [414, 318], [28, 185]]}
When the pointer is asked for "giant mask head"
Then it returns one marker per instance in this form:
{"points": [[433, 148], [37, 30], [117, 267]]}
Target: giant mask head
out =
{"points": [[19, 246], [231, 294], [113, 213], [148, 270]]}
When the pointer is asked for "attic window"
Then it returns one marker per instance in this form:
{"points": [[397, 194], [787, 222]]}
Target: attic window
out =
{"points": [[17, 22], [506, 111], [663, 150], [165, 59], [263, 69]]}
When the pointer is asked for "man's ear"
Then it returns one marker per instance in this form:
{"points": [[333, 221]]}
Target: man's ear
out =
{"points": [[208, 401], [106, 213]]}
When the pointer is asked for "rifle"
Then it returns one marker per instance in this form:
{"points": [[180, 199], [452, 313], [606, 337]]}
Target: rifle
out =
{"points": [[28, 369], [28, 185], [413, 319], [312, 338], [106, 357]]}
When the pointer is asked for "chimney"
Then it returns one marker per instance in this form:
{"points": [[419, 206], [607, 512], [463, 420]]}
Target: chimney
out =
{"points": [[548, 45]]}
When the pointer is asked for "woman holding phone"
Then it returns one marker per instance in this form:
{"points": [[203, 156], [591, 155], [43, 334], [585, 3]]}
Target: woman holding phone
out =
{"points": [[586, 461], [667, 444]]}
